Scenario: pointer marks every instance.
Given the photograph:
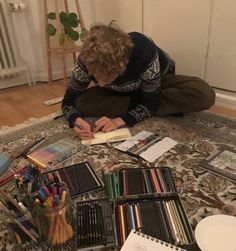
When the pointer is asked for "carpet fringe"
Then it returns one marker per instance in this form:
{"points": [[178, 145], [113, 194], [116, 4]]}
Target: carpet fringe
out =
{"points": [[29, 122]]}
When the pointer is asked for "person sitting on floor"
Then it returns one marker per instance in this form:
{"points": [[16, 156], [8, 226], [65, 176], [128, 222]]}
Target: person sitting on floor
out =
{"points": [[133, 79]]}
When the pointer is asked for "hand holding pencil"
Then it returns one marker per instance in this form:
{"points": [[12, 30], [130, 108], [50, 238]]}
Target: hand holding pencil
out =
{"points": [[83, 129]]}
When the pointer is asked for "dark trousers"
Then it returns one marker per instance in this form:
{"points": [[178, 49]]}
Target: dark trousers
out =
{"points": [[178, 94]]}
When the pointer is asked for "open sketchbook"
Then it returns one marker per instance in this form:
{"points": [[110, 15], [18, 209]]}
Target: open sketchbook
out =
{"points": [[222, 162], [140, 242], [147, 145], [108, 137]]}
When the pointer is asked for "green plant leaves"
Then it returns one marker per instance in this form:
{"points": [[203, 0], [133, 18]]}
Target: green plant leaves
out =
{"points": [[68, 21], [63, 17], [51, 30], [73, 20], [72, 15], [52, 15], [74, 35]]}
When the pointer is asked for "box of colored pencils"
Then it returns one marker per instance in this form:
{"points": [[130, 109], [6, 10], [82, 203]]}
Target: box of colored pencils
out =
{"points": [[133, 181], [159, 216], [94, 225], [52, 154], [80, 178]]}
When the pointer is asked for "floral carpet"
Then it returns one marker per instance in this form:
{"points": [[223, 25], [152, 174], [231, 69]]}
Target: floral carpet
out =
{"points": [[198, 135]]}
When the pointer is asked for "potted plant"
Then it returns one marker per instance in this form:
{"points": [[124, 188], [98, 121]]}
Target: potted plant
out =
{"points": [[69, 22]]}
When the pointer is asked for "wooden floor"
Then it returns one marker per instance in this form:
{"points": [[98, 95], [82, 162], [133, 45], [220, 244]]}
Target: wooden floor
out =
{"points": [[18, 104]]}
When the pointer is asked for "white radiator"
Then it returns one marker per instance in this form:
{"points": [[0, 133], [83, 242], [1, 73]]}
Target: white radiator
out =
{"points": [[11, 63]]}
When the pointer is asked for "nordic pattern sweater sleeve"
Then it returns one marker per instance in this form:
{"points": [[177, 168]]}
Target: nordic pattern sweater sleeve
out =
{"points": [[79, 82]]}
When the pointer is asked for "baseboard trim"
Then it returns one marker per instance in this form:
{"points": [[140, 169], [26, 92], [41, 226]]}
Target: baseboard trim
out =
{"points": [[226, 99]]}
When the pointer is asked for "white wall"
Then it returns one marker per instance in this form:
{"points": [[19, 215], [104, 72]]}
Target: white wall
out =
{"points": [[181, 28], [221, 63], [126, 13]]}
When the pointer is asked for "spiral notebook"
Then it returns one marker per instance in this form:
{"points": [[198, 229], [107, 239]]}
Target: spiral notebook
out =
{"points": [[141, 242]]}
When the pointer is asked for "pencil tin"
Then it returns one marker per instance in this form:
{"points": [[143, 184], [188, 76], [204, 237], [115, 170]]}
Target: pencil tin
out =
{"points": [[134, 181], [160, 216], [105, 223], [144, 199], [94, 225], [80, 178]]}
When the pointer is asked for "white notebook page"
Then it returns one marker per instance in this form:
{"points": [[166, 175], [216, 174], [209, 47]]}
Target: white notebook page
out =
{"points": [[140, 242]]}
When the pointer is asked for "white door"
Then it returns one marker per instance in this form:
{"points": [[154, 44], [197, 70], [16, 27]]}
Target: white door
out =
{"points": [[127, 13], [221, 63], [181, 28]]}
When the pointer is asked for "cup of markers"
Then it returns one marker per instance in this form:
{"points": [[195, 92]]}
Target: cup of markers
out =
{"points": [[53, 213]]}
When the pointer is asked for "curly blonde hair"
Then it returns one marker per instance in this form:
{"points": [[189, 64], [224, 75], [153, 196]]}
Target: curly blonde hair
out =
{"points": [[106, 50]]}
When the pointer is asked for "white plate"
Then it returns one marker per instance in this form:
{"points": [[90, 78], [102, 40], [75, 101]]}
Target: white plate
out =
{"points": [[216, 233]]}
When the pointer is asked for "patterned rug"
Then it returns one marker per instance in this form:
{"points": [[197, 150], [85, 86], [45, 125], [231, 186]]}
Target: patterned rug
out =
{"points": [[198, 135]]}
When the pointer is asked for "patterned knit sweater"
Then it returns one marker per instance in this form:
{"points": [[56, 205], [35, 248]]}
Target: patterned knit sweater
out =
{"points": [[141, 81]]}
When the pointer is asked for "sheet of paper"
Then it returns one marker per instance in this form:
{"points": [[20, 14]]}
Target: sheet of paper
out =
{"points": [[141, 242], [158, 149]]}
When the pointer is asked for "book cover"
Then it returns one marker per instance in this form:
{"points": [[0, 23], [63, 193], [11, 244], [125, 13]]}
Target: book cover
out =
{"points": [[147, 145], [108, 137], [137, 241], [222, 162]]}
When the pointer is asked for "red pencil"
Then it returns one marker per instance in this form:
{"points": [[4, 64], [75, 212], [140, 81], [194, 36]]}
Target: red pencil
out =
{"points": [[6, 179]]}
